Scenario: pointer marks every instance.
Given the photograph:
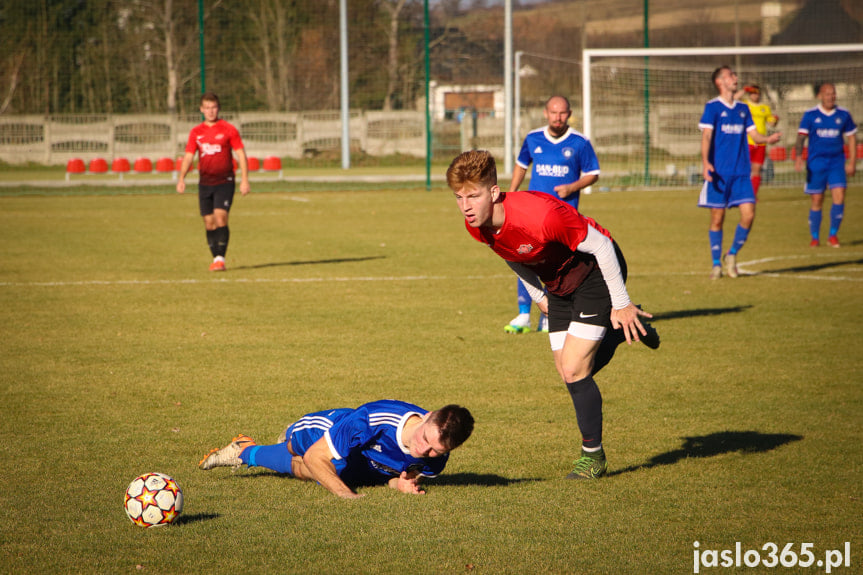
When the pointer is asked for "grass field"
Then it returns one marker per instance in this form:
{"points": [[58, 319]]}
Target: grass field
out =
{"points": [[122, 354]]}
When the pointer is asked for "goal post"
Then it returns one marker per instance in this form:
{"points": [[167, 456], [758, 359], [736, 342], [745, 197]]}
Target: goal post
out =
{"points": [[641, 106]]}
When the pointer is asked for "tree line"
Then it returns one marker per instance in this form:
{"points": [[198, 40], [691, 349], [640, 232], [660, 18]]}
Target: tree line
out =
{"points": [[143, 56]]}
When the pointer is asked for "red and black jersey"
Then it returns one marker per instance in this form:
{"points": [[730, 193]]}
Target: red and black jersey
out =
{"points": [[543, 233], [214, 145]]}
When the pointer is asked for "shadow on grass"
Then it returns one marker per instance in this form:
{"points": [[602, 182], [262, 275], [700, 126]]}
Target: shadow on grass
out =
{"points": [[458, 479], [312, 262], [811, 268], [183, 519], [483, 479], [718, 443], [684, 313]]}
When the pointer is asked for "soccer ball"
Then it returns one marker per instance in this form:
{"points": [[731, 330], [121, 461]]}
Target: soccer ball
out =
{"points": [[153, 499]]}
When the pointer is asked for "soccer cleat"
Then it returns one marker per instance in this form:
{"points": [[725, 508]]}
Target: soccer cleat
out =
{"points": [[814, 243], [519, 324], [543, 324], [716, 272], [228, 456], [833, 241], [217, 266], [731, 265], [589, 466]]}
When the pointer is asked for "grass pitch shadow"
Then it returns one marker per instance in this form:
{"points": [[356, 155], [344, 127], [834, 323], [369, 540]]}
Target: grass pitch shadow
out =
{"points": [[481, 479], [310, 262], [813, 267], [686, 313], [197, 517], [719, 443]]}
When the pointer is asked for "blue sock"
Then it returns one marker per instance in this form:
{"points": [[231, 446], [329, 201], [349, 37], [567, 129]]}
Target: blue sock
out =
{"points": [[740, 235], [815, 224], [524, 300], [836, 213], [275, 457], [716, 246]]}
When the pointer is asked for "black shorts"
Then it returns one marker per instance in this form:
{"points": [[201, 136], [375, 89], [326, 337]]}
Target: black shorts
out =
{"points": [[218, 197], [589, 303]]}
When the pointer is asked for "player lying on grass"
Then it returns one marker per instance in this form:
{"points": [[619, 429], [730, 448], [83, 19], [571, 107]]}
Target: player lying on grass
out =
{"points": [[385, 442], [549, 244]]}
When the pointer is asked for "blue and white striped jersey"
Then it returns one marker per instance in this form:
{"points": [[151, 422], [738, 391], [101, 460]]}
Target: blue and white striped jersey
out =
{"points": [[557, 161], [827, 132], [366, 441], [729, 145]]}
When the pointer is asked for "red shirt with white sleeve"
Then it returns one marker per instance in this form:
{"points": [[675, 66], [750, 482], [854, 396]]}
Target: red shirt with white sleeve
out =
{"points": [[214, 144], [555, 241]]}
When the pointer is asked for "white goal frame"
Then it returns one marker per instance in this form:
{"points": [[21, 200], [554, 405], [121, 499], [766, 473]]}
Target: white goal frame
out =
{"points": [[592, 62], [591, 54]]}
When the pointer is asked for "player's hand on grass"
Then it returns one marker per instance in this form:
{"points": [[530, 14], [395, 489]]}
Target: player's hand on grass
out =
{"points": [[409, 483], [627, 320]]}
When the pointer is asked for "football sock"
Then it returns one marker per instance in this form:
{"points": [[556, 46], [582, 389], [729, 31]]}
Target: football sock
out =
{"points": [[222, 235], [211, 242], [836, 213], [275, 457], [740, 235], [588, 410], [716, 246], [815, 224], [524, 300], [756, 183]]}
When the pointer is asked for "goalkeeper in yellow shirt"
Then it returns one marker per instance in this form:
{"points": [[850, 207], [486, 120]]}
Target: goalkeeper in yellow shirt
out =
{"points": [[762, 117]]}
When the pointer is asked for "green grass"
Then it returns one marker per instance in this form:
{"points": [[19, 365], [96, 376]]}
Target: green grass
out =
{"points": [[122, 354]]}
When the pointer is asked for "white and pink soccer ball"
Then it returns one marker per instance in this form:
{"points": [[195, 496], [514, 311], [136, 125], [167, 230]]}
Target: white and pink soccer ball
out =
{"points": [[153, 499]]}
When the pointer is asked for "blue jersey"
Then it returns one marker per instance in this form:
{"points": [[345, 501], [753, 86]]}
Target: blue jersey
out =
{"points": [[557, 161], [366, 442], [729, 148], [826, 132]]}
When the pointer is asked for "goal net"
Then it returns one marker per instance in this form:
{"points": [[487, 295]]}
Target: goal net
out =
{"points": [[641, 107]]}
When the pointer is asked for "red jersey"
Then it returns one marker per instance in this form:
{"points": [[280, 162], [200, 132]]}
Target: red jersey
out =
{"points": [[214, 144], [542, 233]]}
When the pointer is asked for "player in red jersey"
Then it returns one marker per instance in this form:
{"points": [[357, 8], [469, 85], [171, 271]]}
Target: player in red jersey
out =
{"points": [[547, 242], [214, 140]]}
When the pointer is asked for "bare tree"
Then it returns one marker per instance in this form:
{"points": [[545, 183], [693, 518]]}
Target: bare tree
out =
{"points": [[394, 8]]}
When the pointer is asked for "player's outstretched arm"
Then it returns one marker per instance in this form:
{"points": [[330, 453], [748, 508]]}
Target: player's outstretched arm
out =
{"points": [[321, 469], [407, 483], [760, 138], [628, 320]]}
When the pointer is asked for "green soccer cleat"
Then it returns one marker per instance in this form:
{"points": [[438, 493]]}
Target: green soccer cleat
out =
{"points": [[519, 324], [589, 466]]}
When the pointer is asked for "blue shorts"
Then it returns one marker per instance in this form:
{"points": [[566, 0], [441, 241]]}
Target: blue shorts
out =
{"points": [[726, 192], [304, 432], [833, 177]]}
